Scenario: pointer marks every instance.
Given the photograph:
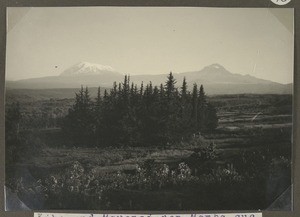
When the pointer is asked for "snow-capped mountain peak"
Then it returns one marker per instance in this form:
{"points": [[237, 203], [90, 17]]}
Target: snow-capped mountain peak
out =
{"points": [[86, 68], [216, 66]]}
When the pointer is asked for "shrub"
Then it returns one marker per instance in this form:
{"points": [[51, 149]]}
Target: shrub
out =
{"points": [[184, 173], [152, 176], [202, 159], [222, 176]]}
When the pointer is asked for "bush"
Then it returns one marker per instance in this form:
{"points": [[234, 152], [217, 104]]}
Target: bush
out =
{"points": [[222, 176], [184, 173], [152, 176], [202, 159]]}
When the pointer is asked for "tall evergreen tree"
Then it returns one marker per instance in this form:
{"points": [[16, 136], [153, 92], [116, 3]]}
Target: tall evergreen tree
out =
{"points": [[202, 96], [202, 108], [195, 107], [80, 123], [98, 117], [98, 99], [185, 109], [105, 94], [170, 85], [142, 88], [184, 88], [114, 90], [162, 91]]}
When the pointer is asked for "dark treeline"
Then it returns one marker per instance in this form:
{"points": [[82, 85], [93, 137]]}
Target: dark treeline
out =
{"points": [[139, 115]]}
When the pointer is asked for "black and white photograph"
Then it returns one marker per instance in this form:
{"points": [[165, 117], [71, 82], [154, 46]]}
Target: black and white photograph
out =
{"points": [[149, 108]]}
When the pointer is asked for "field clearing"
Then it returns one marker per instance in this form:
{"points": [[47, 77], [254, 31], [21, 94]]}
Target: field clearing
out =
{"points": [[103, 160], [110, 160]]}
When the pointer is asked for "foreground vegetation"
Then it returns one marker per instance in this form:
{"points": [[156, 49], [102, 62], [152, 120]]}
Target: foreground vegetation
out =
{"points": [[135, 179], [244, 163]]}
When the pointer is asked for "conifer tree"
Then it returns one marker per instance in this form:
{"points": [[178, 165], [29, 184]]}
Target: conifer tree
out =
{"points": [[184, 88], [114, 90], [132, 90], [185, 109], [105, 94], [80, 124], [170, 85], [162, 91], [142, 88], [202, 96], [202, 108], [98, 117], [98, 99], [195, 107]]}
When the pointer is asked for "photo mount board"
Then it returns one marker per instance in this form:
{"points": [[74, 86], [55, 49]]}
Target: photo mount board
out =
{"points": [[218, 4]]}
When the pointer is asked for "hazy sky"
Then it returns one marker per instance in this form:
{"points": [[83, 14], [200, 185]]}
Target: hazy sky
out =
{"points": [[140, 40]]}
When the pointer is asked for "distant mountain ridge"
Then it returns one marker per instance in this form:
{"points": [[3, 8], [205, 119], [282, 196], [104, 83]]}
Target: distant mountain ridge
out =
{"points": [[216, 73], [215, 78]]}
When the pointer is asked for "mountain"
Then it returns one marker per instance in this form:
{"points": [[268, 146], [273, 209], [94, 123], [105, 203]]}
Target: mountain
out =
{"points": [[85, 68], [86, 74], [218, 80], [212, 74], [215, 78]]}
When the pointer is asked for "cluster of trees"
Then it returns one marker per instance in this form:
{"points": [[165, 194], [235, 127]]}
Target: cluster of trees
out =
{"points": [[144, 115]]}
